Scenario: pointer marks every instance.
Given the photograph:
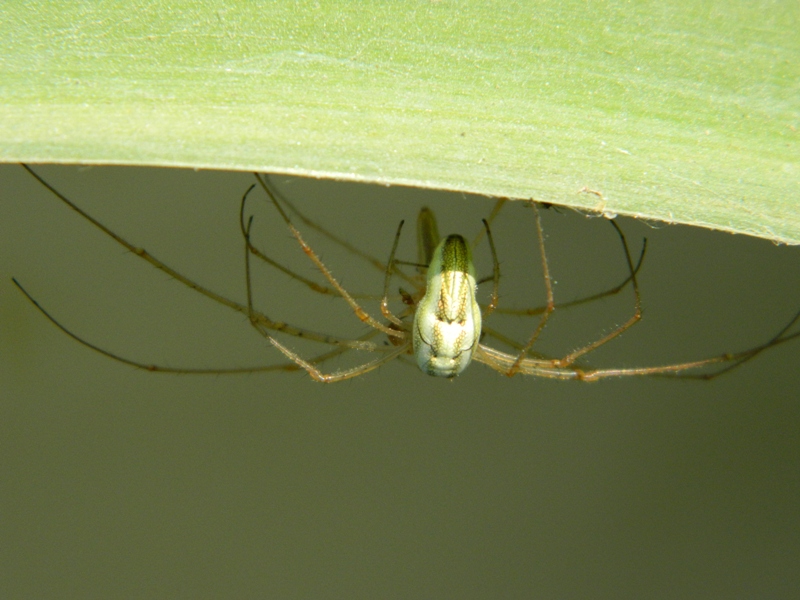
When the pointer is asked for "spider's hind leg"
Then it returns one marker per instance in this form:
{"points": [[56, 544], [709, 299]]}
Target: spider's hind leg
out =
{"points": [[550, 305], [311, 366], [363, 315], [634, 318]]}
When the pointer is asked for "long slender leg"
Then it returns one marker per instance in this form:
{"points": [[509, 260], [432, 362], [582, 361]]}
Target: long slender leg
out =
{"points": [[340, 375], [287, 366], [149, 366], [563, 369], [501, 202], [737, 359], [490, 308], [549, 291], [511, 343], [363, 315], [387, 279], [309, 366], [500, 361], [742, 357], [313, 285], [529, 312], [635, 318], [273, 192], [503, 363], [142, 253]]}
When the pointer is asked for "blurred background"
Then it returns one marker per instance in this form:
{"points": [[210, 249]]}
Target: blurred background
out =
{"points": [[124, 483]]}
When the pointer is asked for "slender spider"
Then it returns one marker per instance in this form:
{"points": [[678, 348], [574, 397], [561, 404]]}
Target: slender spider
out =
{"points": [[441, 322]]}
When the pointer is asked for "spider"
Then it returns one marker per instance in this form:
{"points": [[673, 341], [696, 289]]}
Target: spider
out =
{"points": [[442, 324]]}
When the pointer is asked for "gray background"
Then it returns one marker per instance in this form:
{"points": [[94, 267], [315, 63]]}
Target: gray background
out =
{"points": [[122, 483]]}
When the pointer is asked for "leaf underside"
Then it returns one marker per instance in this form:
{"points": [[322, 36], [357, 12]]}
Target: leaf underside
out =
{"points": [[672, 111]]}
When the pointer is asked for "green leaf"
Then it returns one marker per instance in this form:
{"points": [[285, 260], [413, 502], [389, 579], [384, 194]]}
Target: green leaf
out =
{"points": [[683, 111]]}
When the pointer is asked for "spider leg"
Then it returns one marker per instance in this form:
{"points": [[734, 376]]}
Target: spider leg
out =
{"points": [[313, 285], [510, 342], [500, 361], [276, 194], [340, 375], [736, 359], [501, 202], [490, 308], [635, 318], [158, 264], [529, 312], [388, 278], [550, 306], [363, 315], [288, 366], [309, 366], [503, 363], [339, 350], [149, 366]]}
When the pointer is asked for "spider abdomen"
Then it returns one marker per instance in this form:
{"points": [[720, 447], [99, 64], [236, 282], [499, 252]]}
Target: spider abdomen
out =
{"points": [[447, 322]]}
